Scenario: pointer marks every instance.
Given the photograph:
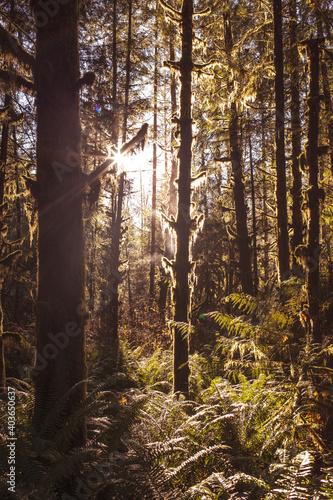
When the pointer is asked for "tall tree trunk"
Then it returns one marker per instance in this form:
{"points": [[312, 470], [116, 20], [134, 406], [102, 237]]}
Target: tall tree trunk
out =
{"points": [[153, 201], [60, 362], [3, 161], [112, 340], [326, 89], [297, 219], [281, 190], [18, 292], [169, 246], [313, 246], [3, 149], [114, 75], [254, 225], [237, 169], [182, 267], [128, 69]]}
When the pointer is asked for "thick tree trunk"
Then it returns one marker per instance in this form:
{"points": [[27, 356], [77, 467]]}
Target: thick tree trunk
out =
{"points": [[60, 362], [182, 266], [313, 245], [281, 190], [297, 219]]}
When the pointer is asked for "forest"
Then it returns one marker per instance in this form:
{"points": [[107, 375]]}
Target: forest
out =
{"points": [[166, 262]]}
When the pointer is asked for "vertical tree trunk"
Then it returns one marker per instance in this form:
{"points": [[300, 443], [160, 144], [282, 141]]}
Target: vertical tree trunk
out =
{"points": [[153, 201], [18, 292], [237, 169], [313, 246], [240, 205], [326, 89], [281, 190], [169, 247], [254, 226], [3, 161], [114, 75], [297, 219], [182, 266], [60, 362], [128, 69], [3, 149], [112, 340]]}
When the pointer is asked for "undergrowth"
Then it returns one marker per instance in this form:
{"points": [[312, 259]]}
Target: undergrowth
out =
{"points": [[256, 425]]}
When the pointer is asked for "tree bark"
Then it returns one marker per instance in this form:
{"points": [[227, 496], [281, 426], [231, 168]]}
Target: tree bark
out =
{"points": [[182, 265], [153, 201], [3, 161], [313, 245], [169, 246], [114, 75], [128, 68], [112, 341], [254, 226], [281, 190], [237, 170], [297, 219], [60, 362]]}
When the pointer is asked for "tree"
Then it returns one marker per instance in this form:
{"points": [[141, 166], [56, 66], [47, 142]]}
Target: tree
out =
{"points": [[184, 224], [313, 194], [153, 201], [297, 218], [60, 362], [281, 190], [169, 246], [237, 170]]}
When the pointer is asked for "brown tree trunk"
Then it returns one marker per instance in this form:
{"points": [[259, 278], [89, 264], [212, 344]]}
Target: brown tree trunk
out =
{"points": [[169, 246], [3, 161], [237, 169], [128, 69], [153, 201], [281, 190], [112, 340], [18, 292], [326, 89], [297, 219], [254, 226], [313, 245], [240, 205], [182, 265], [114, 75], [60, 362]]}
